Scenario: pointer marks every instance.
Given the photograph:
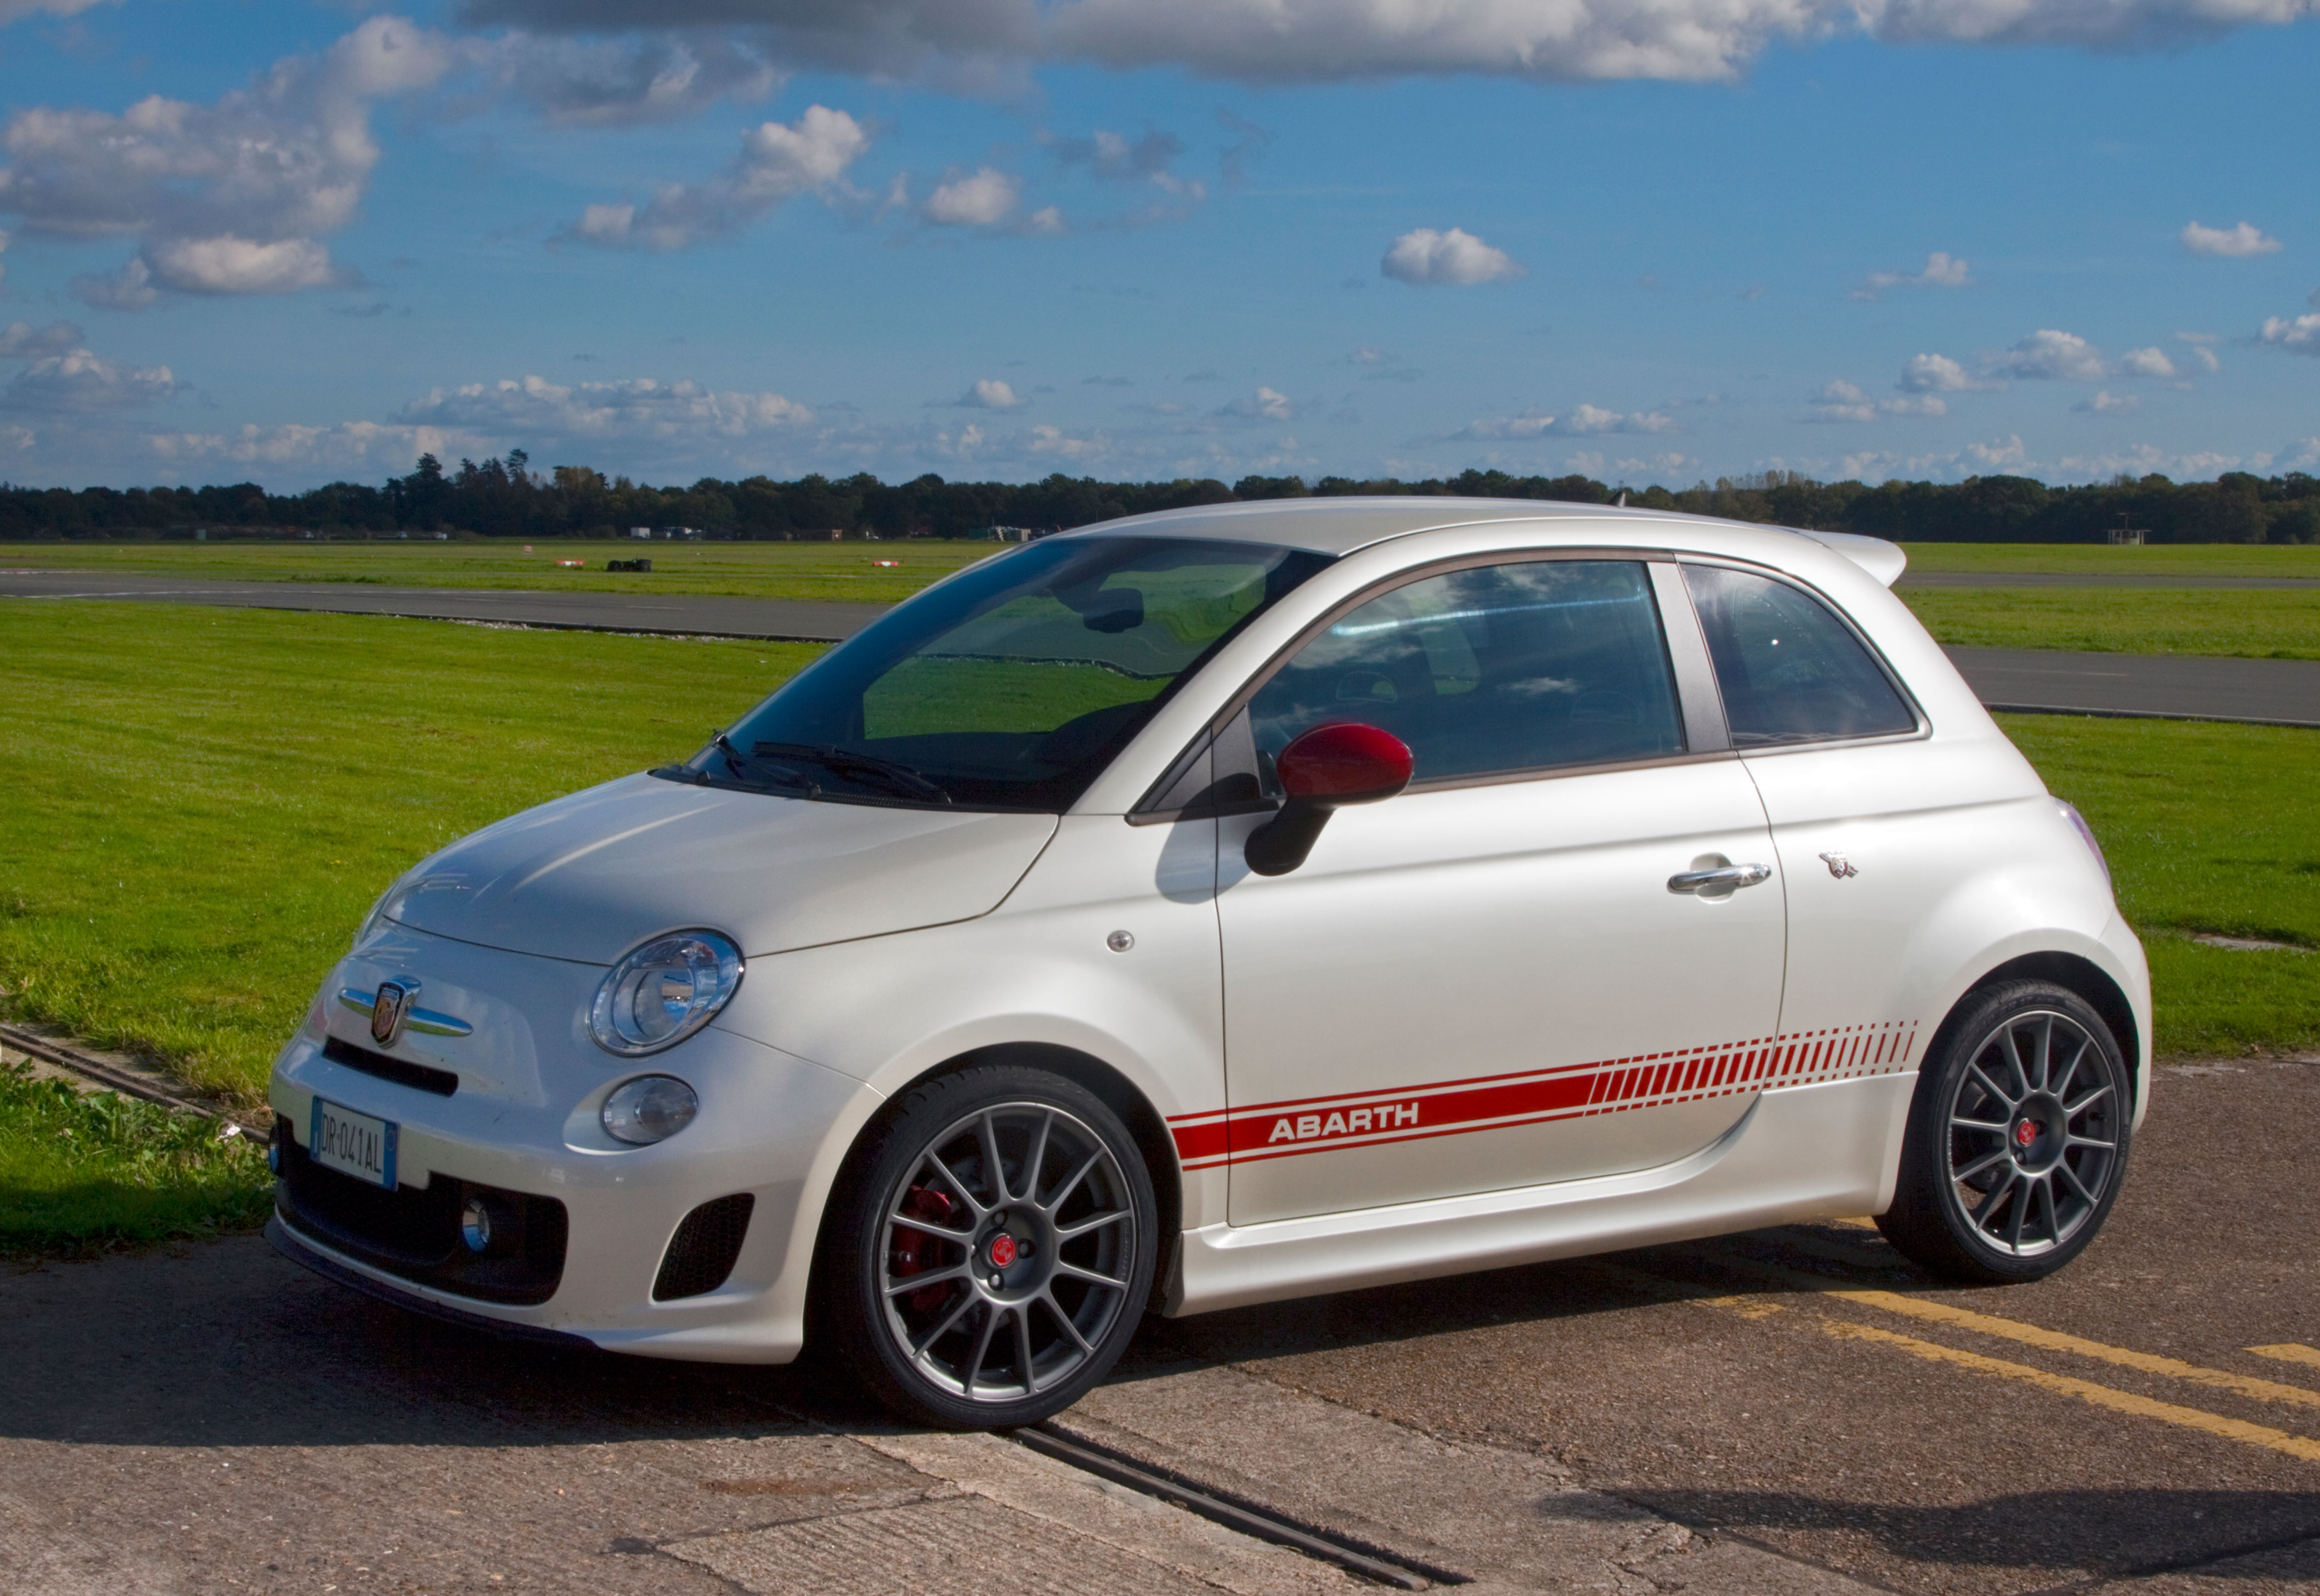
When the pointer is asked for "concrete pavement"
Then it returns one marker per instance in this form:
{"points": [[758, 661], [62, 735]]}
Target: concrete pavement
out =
{"points": [[1792, 1410]]}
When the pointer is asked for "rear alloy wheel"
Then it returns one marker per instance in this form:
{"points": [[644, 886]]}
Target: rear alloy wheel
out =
{"points": [[2016, 1141], [996, 1247]]}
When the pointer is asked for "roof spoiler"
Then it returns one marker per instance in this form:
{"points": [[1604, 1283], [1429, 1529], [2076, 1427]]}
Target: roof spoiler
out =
{"points": [[1883, 560]]}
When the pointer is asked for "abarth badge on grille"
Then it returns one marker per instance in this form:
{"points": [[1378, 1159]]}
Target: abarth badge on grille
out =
{"points": [[388, 1008]]}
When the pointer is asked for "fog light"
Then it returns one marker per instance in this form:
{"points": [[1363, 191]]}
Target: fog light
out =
{"points": [[649, 1109], [476, 1225]]}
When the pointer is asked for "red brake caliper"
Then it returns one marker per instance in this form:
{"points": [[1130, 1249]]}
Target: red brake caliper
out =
{"points": [[916, 1252]]}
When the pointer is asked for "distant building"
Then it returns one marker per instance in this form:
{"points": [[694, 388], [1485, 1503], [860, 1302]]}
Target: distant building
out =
{"points": [[643, 532]]}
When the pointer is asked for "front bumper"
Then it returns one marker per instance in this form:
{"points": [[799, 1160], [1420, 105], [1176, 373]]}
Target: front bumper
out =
{"points": [[522, 1127]]}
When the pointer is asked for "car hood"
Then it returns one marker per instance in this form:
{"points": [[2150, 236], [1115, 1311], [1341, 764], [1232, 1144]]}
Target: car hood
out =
{"points": [[589, 876]]}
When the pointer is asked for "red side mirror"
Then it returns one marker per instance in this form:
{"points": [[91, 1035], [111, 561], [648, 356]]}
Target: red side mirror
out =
{"points": [[1346, 762], [1327, 768]]}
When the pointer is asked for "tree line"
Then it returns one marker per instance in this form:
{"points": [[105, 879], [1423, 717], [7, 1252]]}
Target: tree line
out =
{"points": [[506, 498]]}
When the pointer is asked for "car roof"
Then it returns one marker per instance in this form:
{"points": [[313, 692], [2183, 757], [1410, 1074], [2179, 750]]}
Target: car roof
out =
{"points": [[1342, 525]]}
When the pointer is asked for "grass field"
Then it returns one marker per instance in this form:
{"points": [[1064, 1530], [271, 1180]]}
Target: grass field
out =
{"points": [[827, 572], [2252, 623], [202, 804], [2082, 559], [78, 1171]]}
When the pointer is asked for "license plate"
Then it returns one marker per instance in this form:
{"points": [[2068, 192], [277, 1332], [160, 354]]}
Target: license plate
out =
{"points": [[352, 1144]]}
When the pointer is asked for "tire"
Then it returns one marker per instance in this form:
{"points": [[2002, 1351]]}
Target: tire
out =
{"points": [[906, 1295], [2018, 1138]]}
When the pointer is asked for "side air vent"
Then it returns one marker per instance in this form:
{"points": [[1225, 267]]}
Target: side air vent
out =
{"points": [[701, 1254]]}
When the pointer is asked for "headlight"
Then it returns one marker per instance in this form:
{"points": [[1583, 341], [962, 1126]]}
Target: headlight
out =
{"points": [[649, 1109], [664, 992]]}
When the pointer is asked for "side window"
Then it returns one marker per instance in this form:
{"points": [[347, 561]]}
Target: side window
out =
{"points": [[1518, 666], [1789, 670]]}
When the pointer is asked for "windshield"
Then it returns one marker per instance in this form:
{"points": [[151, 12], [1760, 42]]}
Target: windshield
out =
{"points": [[1010, 686]]}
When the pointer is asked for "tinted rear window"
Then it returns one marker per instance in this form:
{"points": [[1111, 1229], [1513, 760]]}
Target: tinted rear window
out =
{"points": [[1789, 669]]}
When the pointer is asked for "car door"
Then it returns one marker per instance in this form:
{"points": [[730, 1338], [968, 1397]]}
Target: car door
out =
{"points": [[1488, 981], [1869, 817]]}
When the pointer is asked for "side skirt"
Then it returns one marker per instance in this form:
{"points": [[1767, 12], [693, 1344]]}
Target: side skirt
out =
{"points": [[1800, 1152]]}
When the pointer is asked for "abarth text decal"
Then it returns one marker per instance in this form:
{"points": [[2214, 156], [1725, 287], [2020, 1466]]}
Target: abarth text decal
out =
{"points": [[1492, 1103]]}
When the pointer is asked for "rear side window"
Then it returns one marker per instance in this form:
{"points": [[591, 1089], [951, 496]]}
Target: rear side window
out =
{"points": [[1789, 670], [1518, 666]]}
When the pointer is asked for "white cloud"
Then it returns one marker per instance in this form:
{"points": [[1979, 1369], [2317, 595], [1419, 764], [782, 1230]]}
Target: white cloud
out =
{"points": [[2152, 362], [78, 381], [777, 162], [265, 168], [2144, 459], [1934, 374], [1584, 420], [639, 408], [2048, 354], [988, 46], [2299, 336], [1051, 440], [129, 288], [1532, 424], [984, 198], [1266, 404], [1116, 158], [1840, 401], [2104, 402], [989, 394], [21, 341], [349, 446], [2205, 358], [624, 83], [12, 10], [1424, 256], [1941, 271], [1367, 355], [2242, 240], [2000, 454], [230, 265]]}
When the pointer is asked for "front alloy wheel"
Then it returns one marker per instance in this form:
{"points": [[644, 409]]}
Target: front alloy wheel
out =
{"points": [[1000, 1243], [2016, 1141]]}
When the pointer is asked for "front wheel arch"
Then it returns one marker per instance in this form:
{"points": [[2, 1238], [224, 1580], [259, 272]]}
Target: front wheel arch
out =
{"points": [[1118, 1093]]}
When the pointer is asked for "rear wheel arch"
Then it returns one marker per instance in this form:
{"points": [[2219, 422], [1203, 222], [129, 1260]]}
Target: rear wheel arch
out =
{"points": [[2072, 973]]}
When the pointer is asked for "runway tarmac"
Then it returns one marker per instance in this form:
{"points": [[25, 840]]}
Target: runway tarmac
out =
{"points": [[2274, 692]]}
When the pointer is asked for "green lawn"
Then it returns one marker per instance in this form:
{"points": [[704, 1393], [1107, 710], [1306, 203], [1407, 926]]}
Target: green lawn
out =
{"points": [[2208, 828], [2164, 559], [841, 572], [78, 1170], [202, 802], [2252, 623]]}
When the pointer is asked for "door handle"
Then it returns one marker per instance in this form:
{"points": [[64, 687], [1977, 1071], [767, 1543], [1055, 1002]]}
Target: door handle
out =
{"points": [[1723, 879]]}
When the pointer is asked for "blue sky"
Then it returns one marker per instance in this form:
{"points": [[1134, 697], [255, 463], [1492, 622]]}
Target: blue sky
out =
{"points": [[290, 242]]}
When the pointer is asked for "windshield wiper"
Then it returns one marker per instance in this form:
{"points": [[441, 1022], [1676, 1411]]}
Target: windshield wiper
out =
{"points": [[891, 774], [789, 780]]}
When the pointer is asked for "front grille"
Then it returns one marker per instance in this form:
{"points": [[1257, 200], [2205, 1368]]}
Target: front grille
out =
{"points": [[415, 1234], [442, 1083], [701, 1252]]}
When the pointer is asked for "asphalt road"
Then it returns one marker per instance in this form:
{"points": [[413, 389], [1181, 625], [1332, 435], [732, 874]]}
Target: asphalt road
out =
{"points": [[1792, 1410], [2282, 690]]}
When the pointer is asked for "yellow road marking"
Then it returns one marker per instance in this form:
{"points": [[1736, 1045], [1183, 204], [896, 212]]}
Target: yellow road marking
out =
{"points": [[2290, 1352], [1990, 1324], [2086, 1390], [1746, 1305]]}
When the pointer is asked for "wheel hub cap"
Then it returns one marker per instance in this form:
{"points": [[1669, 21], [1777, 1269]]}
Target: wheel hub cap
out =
{"points": [[1003, 1250]]}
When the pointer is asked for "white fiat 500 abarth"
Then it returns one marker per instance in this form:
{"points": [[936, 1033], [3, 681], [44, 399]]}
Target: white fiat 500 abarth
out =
{"points": [[1226, 905]]}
